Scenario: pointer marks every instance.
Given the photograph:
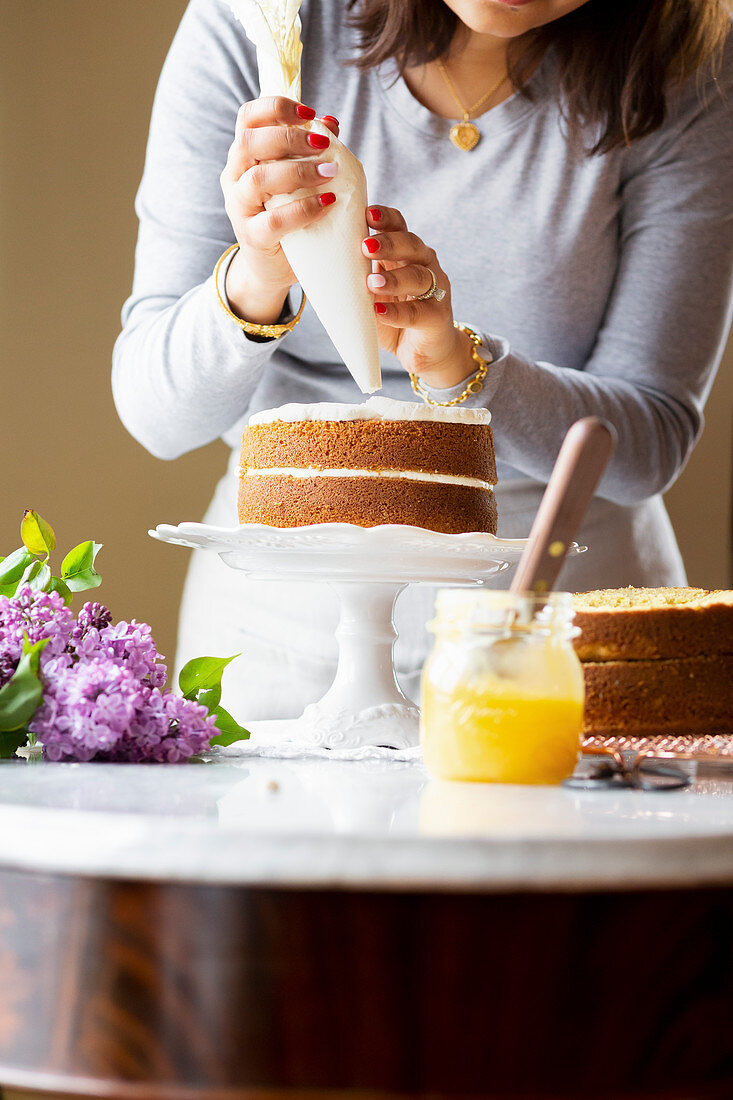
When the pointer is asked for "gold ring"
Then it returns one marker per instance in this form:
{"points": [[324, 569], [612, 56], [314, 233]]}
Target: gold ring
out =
{"points": [[434, 292]]}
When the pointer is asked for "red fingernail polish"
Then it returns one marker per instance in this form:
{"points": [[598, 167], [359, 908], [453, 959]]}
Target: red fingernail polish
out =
{"points": [[305, 112], [331, 118], [318, 141], [372, 244], [327, 198], [380, 307], [375, 214]]}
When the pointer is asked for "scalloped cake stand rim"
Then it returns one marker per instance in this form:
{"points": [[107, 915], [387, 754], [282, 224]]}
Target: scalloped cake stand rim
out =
{"points": [[164, 532]]}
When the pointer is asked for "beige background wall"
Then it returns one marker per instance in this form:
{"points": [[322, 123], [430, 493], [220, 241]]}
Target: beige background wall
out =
{"points": [[76, 84]]}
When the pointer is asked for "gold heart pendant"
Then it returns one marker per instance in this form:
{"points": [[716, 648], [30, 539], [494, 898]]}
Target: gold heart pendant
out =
{"points": [[465, 136]]}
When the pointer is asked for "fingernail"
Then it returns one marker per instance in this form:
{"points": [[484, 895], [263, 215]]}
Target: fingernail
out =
{"points": [[380, 307], [372, 244], [375, 213], [327, 169], [318, 141], [305, 112], [331, 118], [327, 198], [376, 282]]}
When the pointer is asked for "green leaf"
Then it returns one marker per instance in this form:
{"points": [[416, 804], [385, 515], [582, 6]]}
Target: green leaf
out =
{"points": [[77, 568], [209, 698], [89, 578], [9, 742], [201, 674], [14, 566], [33, 652], [36, 534], [31, 572], [41, 578], [81, 557], [230, 730], [21, 696], [57, 585], [37, 576]]}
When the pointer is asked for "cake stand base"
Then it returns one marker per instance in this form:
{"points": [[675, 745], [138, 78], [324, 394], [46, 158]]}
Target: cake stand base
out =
{"points": [[365, 705]]}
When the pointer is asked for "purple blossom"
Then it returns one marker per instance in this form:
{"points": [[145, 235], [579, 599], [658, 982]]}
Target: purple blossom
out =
{"points": [[8, 666], [36, 615], [132, 644], [94, 615], [99, 710], [102, 685]]}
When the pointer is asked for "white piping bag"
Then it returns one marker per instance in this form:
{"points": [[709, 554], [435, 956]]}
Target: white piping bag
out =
{"points": [[326, 257]]}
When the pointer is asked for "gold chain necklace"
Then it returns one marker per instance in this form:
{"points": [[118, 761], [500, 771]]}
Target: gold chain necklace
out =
{"points": [[466, 135]]}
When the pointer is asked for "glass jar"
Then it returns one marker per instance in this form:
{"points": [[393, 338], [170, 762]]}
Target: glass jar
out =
{"points": [[502, 689]]}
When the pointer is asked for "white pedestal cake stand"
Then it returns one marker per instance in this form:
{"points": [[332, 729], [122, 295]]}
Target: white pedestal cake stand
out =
{"points": [[368, 567]]}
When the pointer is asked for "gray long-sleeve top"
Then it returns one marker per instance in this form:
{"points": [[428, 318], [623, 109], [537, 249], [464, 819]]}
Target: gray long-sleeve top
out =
{"points": [[603, 283]]}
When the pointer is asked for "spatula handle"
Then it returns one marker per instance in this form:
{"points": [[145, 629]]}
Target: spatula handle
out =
{"points": [[583, 457]]}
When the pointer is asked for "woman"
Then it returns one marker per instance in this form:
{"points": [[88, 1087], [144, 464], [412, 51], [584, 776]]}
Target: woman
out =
{"points": [[587, 236]]}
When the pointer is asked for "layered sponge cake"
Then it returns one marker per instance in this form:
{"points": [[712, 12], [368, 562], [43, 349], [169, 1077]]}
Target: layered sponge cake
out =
{"points": [[656, 661], [379, 462]]}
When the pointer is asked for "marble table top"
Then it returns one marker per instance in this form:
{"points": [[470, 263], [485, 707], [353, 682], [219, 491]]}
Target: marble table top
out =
{"points": [[378, 825]]}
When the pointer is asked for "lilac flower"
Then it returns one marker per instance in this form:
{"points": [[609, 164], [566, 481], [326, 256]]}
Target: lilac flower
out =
{"points": [[85, 710], [94, 615], [8, 666], [98, 709], [132, 644], [36, 615], [102, 685]]}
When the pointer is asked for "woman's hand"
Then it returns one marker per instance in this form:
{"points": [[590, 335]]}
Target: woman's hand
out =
{"points": [[266, 158], [420, 334]]}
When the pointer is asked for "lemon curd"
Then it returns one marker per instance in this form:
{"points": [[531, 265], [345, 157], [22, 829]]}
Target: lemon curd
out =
{"points": [[502, 690]]}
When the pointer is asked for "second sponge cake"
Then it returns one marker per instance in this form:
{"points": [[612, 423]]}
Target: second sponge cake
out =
{"points": [[656, 661], [636, 624]]}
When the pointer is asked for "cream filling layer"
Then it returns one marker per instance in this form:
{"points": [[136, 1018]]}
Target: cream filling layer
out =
{"points": [[376, 408], [343, 471]]}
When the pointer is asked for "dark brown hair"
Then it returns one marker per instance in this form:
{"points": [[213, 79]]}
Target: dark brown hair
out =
{"points": [[617, 60]]}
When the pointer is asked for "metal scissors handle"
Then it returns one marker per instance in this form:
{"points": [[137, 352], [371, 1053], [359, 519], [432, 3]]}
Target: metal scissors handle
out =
{"points": [[604, 769]]}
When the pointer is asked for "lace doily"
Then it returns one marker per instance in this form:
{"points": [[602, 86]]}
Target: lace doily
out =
{"points": [[291, 751]]}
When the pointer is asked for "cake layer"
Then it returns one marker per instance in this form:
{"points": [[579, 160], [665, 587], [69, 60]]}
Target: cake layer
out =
{"points": [[466, 450], [641, 698], [286, 501], [653, 623]]}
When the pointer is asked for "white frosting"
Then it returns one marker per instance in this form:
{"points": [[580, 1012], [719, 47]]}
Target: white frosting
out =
{"points": [[376, 408], [343, 471]]}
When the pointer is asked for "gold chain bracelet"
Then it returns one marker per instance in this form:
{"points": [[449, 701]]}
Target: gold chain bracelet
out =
{"points": [[250, 327], [477, 380]]}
